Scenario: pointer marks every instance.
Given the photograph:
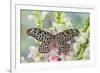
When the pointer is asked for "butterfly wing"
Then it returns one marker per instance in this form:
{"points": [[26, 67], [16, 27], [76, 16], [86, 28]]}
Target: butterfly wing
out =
{"points": [[67, 35], [44, 48], [64, 47], [40, 35], [63, 37]]}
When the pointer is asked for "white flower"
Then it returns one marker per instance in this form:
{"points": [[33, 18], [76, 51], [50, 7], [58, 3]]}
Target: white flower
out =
{"points": [[80, 40], [53, 52], [32, 52], [83, 37], [22, 59], [68, 22], [30, 17], [33, 49], [59, 27], [75, 47], [33, 19], [44, 14], [68, 58], [87, 53], [37, 59], [30, 37]]}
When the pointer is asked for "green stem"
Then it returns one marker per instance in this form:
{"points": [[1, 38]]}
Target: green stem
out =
{"points": [[81, 50], [83, 46]]}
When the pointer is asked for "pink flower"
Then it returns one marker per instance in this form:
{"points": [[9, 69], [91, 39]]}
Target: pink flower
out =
{"points": [[53, 58], [68, 52]]}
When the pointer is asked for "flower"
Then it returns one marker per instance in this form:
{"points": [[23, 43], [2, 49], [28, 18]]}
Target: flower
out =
{"points": [[83, 37], [53, 54], [53, 58], [87, 53], [68, 54], [44, 14], [22, 59], [32, 52], [30, 17], [80, 40], [30, 37]]}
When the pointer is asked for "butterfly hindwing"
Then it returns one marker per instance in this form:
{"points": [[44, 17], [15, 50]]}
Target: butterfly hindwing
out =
{"points": [[64, 47], [44, 48]]}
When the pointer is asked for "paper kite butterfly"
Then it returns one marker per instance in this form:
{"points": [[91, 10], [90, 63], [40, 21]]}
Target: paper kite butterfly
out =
{"points": [[48, 40]]}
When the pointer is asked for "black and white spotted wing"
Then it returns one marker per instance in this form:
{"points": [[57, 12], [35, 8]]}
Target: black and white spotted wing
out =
{"points": [[44, 48], [42, 36], [63, 37], [66, 35], [45, 37]]}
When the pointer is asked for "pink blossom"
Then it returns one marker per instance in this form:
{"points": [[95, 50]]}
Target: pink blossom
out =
{"points": [[68, 52], [53, 58]]}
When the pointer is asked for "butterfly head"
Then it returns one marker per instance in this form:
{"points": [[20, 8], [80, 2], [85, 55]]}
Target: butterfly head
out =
{"points": [[29, 31], [32, 31]]}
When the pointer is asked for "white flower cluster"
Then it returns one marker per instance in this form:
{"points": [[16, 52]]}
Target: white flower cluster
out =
{"points": [[81, 40], [33, 54]]}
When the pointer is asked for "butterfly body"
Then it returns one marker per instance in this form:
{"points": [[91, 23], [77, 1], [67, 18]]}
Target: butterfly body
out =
{"points": [[49, 41]]}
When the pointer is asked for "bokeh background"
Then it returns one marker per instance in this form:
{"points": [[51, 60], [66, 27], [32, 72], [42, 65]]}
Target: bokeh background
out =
{"points": [[50, 20]]}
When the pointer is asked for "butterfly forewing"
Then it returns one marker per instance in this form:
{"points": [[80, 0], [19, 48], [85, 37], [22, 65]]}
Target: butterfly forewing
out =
{"points": [[40, 35], [66, 35]]}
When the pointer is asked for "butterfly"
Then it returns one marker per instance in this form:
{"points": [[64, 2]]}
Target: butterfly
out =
{"points": [[49, 40]]}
